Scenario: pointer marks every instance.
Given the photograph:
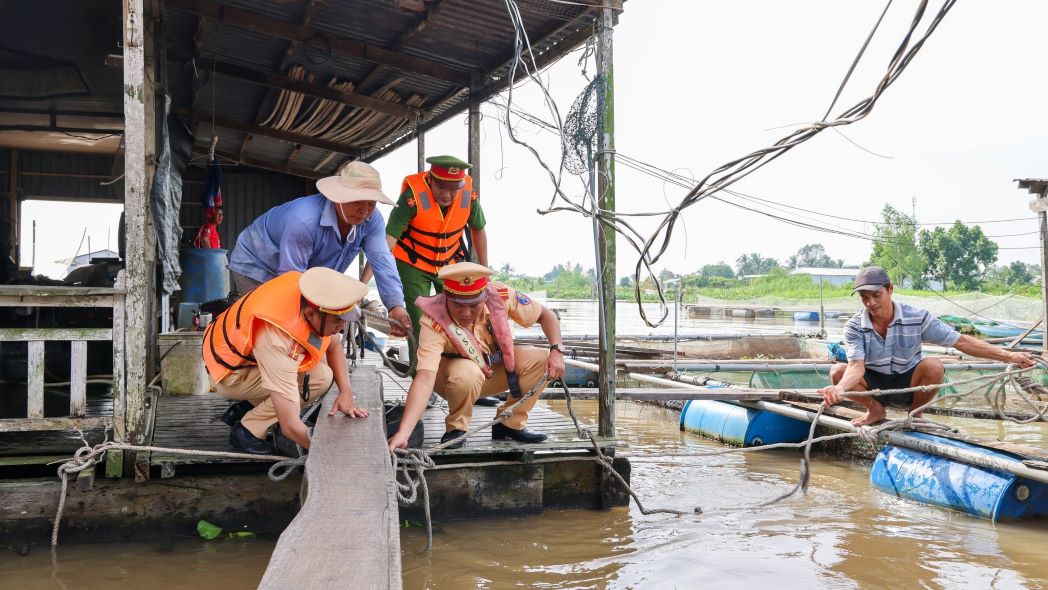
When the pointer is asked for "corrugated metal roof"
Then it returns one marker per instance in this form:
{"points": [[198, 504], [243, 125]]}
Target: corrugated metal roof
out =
{"points": [[466, 35], [85, 33]]}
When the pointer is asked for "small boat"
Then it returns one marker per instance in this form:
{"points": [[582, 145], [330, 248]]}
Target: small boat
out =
{"points": [[805, 316], [992, 329]]}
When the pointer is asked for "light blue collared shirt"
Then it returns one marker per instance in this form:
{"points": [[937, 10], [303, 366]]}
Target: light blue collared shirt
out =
{"points": [[900, 349], [303, 233]]}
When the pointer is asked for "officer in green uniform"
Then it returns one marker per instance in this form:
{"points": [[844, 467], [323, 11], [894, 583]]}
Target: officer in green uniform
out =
{"points": [[426, 229]]}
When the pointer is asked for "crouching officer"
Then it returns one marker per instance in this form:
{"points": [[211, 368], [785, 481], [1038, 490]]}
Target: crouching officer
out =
{"points": [[279, 340], [466, 350]]}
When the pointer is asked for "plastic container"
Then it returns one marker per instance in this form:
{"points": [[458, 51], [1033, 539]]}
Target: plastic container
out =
{"points": [[978, 491], [182, 370], [204, 275], [737, 425]]}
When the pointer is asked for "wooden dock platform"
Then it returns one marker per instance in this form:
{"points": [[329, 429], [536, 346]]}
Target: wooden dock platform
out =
{"points": [[170, 493]]}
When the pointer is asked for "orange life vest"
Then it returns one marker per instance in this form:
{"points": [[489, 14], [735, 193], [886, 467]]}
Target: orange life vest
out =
{"points": [[433, 239], [229, 340]]}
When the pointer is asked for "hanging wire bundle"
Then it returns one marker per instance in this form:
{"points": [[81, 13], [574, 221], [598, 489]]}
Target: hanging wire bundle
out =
{"points": [[650, 247]]}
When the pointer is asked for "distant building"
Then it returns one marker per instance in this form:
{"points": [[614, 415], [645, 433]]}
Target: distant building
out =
{"points": [[830, 276], [82, 260]]}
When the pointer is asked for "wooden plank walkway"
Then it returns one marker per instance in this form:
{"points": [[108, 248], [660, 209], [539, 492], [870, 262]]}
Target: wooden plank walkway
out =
{"points": [[347, 532]]}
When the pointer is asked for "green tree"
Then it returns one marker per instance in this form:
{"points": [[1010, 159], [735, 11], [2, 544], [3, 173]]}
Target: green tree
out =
{"points": [[717, 270], [813, 256], [626, 281], [1018, 274], [895, 247], [505, 272], [666, 274], [754, 264], [957, 256]]}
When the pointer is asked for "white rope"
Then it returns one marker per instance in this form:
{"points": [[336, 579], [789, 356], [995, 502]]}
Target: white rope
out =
{"points": [[88, 456]]}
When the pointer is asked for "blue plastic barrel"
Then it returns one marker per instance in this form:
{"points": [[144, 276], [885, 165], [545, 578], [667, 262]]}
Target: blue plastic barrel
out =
{"points": [[806, 316], [204, 275], [734, 424], [935, 480]]}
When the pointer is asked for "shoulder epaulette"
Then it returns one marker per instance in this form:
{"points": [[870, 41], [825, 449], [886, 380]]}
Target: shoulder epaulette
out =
{"points": [[503, 293]]}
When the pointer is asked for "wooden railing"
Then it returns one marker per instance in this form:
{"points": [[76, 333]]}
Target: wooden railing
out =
{"points": [[32, 296]]}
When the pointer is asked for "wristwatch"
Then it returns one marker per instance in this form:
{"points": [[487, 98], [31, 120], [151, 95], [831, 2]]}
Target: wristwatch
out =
{"points": [[557, 347]]}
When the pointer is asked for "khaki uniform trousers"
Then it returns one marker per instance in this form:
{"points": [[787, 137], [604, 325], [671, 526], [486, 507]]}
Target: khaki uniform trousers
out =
{"points": [[246, 384], [461, 382]]}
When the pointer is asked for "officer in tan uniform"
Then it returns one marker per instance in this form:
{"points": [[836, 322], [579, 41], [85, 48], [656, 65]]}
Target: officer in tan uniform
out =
{"points": [[466, 351], [277, 341]]}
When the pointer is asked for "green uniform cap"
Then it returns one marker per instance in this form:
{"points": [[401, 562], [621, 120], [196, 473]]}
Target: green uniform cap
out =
{"points": [[448, 162]]}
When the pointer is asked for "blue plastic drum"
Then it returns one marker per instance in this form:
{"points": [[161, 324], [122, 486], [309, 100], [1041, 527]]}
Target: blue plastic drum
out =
{"points": [[204, 275]]}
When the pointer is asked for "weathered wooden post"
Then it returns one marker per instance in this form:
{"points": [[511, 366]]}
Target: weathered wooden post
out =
{"points": [[420, 138], [473, 150], [1039, 187], [606, 235], [139, 137]]}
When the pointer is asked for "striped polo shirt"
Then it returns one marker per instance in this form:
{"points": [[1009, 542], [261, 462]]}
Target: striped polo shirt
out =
{"points": [[900, 349]]}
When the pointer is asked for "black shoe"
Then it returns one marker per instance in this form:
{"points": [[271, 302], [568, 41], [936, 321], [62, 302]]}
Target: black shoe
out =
{"points": [[241, 439], [284, 445], [453, 435], [490, 402], [524, 435], [236, 412]]}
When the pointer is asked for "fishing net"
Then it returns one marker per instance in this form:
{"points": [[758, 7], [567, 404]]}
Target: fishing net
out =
{"points": [[581, 126]]}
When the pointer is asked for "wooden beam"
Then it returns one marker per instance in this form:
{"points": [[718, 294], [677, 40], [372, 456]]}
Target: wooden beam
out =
{"points": [[417, 26], [78, 378], [580, 31], [136, 179], [308, 88], [287, 136], [265, 165], [41, 424], [604, 199], [14, 206], [307, 15], [292, 32], [35, 365], [666, 394], [348, 466], [44, 334]]}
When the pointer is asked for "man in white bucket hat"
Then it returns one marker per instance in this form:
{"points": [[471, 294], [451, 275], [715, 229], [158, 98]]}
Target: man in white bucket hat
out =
{"points": [[328, 229]]}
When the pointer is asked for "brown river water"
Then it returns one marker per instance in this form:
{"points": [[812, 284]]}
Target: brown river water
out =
{"points": [[842, 534]]}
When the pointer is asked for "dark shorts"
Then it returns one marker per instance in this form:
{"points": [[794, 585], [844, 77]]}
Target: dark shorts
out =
{"points": [[877, 380]]}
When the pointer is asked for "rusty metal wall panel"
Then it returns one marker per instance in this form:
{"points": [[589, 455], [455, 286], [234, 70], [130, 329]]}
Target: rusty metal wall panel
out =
{"points": [[66, 175]]}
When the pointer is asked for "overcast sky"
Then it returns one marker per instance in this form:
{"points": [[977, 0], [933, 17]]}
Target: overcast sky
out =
{"points": [[700, 83]]}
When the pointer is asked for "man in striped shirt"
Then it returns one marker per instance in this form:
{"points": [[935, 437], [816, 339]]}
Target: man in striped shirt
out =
{"points": [[883, 344]]}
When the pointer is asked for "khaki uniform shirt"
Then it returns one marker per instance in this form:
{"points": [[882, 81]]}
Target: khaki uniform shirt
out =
{"points": [[433, 342], [278, 358]]}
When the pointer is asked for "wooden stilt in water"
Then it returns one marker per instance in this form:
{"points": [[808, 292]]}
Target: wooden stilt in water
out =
{"points": [[605, 200]]}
